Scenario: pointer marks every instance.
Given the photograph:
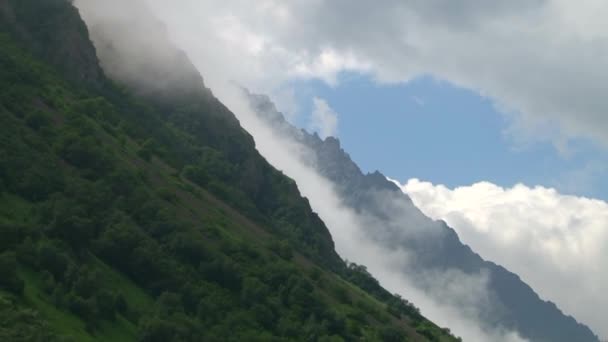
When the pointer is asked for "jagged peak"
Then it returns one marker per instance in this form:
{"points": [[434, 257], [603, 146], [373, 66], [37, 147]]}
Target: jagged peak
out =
{"points": [[333, 142]]}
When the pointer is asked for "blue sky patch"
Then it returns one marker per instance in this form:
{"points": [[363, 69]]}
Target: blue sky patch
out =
{"points": [[434, 131]]}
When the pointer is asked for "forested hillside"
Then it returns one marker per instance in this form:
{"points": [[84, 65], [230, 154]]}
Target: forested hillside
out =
{"points": [[124, 218]]}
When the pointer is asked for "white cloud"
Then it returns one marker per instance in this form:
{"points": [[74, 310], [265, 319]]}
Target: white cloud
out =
{"points": [[324, 120], [544, 62], [558, 244]]}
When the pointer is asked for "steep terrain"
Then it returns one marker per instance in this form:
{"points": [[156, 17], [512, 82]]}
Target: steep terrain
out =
{"points": [[139, 214], [511, 304]]}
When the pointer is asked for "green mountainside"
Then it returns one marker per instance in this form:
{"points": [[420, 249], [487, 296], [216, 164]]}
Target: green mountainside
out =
{"points": [[129, 219]]}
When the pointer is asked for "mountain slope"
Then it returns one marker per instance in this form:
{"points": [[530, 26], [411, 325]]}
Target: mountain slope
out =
{"points": [[511, 304], [144, 217]]}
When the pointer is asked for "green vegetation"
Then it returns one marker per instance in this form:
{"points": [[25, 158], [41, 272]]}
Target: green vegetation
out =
{"points": [[127, 219]]}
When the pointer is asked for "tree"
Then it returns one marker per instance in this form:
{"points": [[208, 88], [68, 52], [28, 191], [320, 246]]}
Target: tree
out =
{"points": [[169, 303], [253, 291], [147, 149], [106, 304], [10, 236], [37, 119], [391, 334], [85, 152], [158, 330], [9, 280], [52, 259], [71, 223]]}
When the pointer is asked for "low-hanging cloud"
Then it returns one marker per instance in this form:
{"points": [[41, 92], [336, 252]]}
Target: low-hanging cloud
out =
{"points": [[543, 62], [556, 243], [451, 298]]}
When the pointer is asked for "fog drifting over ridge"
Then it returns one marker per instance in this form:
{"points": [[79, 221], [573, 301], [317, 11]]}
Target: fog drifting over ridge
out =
{"points": [[556, 243], [345, 225], [457, 299]]}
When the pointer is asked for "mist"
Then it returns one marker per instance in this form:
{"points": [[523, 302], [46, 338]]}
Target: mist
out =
{"points": [[451, 298]]}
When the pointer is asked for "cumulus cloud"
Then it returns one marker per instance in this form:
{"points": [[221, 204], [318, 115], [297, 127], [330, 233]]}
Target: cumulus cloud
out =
{"points": [[324, 120], [558, 244], [543, 62]]}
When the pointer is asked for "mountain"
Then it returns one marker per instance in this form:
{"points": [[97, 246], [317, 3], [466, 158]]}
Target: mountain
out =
{"points": [[397, 224], [135, 210]]}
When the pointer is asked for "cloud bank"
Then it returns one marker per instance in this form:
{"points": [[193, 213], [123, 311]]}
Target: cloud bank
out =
{"points": [[558, 244], [542, 62]]}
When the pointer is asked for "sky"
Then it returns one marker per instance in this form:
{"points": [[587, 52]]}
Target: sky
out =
{"points": [[490, 115], [432, 130]]}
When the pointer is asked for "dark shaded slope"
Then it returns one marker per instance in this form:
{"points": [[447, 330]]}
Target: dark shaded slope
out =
{"points": [[513, 304], [166, 79], [128, 218]]}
